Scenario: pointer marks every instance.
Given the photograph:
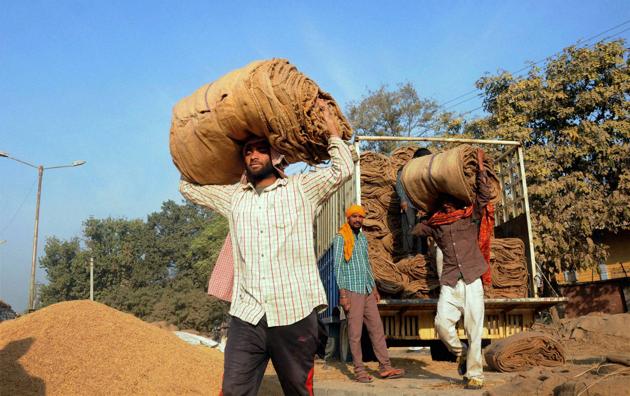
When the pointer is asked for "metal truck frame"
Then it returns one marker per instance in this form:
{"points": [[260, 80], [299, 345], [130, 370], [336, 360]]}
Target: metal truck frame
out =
{"points": [[409, 322]]}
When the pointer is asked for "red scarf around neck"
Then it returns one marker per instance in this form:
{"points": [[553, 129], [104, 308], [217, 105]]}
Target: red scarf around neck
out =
{"points": [[486, 230]]}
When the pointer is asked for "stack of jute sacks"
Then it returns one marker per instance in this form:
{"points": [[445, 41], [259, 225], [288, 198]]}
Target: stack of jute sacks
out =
{"points": [[509, 269], [407, 277], [453, 172], [268, 98]]}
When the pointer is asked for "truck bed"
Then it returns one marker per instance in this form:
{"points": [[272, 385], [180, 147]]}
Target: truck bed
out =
{"points": [[412, 319]]}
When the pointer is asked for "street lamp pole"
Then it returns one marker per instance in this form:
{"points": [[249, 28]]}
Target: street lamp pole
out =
{"points": [[40, 174], [31, 289]]}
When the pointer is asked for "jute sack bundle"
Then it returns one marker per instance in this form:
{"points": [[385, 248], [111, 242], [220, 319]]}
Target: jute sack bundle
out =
{"points": [[450, 172], [523, 351], [400, 157], [268, 98]]}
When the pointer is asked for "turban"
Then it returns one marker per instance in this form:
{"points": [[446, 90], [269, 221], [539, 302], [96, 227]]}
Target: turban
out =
{"points": [[346, 231], [354, 209]]}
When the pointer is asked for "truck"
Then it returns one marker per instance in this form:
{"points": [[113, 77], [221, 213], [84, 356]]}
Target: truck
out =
{"points": [[409, 322]]}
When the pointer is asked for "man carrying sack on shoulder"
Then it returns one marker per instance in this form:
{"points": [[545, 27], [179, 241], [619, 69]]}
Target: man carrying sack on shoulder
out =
{"points": [[358, 295], [463, 233], [277, 289]]}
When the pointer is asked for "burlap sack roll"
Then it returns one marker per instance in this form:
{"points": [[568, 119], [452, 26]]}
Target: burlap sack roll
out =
{"points": [[203, 153], [450, 172], [524, 350], [265, 98]]}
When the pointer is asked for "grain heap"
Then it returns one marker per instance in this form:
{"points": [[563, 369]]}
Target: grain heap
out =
{"points": [[83, 347]]}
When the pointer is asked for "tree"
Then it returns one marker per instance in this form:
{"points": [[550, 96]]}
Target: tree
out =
{"points": [[65, 265], [399, 112], [157, 270], [572, 117]]}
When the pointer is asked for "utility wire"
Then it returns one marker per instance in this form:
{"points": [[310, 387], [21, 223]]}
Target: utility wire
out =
{"points": [[535, 63], [521, 91], [28, 194]]}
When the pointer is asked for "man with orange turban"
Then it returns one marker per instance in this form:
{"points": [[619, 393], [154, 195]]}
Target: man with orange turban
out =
{"points": [[358, 295]]}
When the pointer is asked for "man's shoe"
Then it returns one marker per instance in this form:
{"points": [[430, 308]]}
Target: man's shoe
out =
{"points": [[474, 383]]}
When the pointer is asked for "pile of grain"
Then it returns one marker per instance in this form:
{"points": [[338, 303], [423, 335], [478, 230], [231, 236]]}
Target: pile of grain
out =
{"points": [[83, 347]]}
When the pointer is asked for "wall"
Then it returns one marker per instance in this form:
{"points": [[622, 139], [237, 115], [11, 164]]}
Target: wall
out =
{"points": [[602, 296]]}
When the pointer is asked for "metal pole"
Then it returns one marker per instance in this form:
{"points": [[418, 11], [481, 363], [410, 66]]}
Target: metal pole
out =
{"points": [[92, 278], [436, 139], [31, 291], [357, 175], [530, 238]]}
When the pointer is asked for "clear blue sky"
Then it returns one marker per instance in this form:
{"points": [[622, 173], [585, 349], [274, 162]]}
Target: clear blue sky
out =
{"points": [[96, 80]]}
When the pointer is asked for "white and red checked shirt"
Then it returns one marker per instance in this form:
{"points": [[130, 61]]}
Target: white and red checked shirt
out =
{"points": [[275, 269]]}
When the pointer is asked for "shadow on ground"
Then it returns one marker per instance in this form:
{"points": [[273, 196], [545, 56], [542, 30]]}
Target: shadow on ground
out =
{"points": [[14, 379]]}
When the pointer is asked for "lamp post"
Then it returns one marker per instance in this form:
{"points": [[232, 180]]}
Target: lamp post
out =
{"points": [[40, 174]]}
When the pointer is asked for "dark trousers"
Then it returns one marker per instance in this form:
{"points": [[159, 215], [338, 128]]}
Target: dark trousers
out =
{"points": [[411, 245], [291, 349]]}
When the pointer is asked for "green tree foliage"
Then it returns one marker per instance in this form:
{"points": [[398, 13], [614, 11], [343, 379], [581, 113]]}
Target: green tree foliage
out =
{"points": [[397, 112], [572, 116], [156, 269], [64, 262]]}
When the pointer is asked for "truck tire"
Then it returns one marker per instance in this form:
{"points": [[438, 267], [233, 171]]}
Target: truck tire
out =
{"points": [[440, 353], [332, 344]]}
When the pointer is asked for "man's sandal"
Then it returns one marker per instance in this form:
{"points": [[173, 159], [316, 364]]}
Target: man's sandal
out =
{"points": [[363, 378], [392, 373]]}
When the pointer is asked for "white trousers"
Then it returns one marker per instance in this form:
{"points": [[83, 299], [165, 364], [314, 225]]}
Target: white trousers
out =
{"points": [[454, 302]]}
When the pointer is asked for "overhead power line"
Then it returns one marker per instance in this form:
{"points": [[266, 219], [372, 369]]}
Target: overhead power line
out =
{"points": [[579, 42], [28, 194]]}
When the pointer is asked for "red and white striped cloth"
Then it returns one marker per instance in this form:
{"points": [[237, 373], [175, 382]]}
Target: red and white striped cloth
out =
{"points": [[222, 278]]}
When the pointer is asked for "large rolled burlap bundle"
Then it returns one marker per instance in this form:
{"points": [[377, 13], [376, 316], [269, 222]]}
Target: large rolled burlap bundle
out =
{"points": [[523, 351], [450, 172], [268, 98]]}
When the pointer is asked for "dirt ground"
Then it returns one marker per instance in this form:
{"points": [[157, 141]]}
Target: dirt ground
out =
{"points": [[424, 377], [585, 373]]}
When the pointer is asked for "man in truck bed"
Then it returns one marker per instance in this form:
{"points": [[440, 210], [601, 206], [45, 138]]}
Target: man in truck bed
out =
{"points": [[459, 230]]}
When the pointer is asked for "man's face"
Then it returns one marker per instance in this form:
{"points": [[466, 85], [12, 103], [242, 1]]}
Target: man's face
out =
{"points": [[356, 221], [450, 204], [448, 207], [258, 159]]}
